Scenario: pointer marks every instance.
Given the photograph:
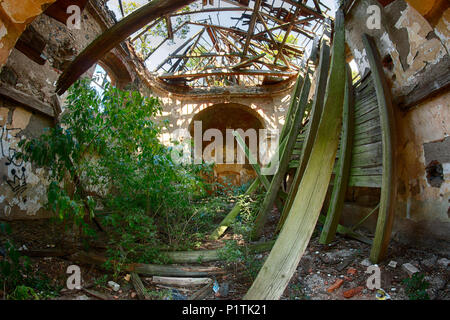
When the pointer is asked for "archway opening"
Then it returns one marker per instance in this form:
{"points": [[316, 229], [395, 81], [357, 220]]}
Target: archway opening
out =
{"points": [[226, 117]]}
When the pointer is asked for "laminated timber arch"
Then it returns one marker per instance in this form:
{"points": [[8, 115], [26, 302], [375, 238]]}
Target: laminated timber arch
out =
{"points": [[294, 237]]}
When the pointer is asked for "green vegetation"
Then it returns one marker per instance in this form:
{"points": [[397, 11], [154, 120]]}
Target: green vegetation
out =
{"points": [[239, 255], [17, 279], [416, 287], [108, 170]]}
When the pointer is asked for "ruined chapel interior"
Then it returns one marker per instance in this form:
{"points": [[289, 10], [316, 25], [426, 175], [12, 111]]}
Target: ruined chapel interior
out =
{"points": [[346, 101]]}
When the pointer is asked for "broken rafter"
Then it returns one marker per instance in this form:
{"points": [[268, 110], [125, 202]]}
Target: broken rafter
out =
{"points": [[179, 49], [289, 47], [207, 55], [208, 10], [226, 72], [114, 36], [281, 26], [304, 8], [146, 30], [248, 62], [251, 26], [169, 27], [164, 41], [286, 35]]}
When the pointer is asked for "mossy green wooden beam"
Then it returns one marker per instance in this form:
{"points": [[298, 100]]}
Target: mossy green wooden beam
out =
{"points": [[285, 158], [388, 187], [254, 163], [317, 107], [231, 216], [343, 167], [292, 105], [296, 232]]}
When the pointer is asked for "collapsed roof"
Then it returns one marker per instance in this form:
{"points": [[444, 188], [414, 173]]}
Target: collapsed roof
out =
{"points": [[229, 42]]}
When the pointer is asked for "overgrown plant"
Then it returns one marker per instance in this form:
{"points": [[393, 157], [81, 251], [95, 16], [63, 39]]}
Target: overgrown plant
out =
{"points": [[106, 163], [17, 279], [239, 254], [416, 287]]}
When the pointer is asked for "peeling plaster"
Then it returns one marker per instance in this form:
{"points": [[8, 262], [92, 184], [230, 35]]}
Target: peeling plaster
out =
{"points": [[361, 61]]}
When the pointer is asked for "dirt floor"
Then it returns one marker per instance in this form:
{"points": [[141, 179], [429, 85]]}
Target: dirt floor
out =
{"points": [[343, 264]]}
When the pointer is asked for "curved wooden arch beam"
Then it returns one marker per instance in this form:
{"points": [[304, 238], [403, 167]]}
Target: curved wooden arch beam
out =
{"points": [[290, 245], [114, 36], [388, 188]]}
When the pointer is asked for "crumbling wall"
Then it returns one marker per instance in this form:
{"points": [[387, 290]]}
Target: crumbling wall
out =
{"points": [[23, 186], [14, 18], [415, 55]]}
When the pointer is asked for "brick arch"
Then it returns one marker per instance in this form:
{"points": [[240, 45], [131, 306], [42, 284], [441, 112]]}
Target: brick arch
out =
{"points": [[224, 116], [116, 69]]}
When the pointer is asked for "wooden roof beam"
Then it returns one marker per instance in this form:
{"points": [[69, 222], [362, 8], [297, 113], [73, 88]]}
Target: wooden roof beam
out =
{"points": [[305, 8], [226, 72], [251, 27], [169, 27]]}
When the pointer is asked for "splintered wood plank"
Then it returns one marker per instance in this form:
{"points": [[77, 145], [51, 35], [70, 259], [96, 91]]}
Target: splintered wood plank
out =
{"points": [[114, 36], [296, 232], [316, 113], [388, 185], [285, 157], [342, 169]]}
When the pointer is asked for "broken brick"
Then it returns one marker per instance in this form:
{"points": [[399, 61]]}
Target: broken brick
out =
{"points": [[336, 285], [352, 292], [352, 271]]}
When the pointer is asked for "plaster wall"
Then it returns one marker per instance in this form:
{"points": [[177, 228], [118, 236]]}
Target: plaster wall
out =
{"points": [[413, 50]]}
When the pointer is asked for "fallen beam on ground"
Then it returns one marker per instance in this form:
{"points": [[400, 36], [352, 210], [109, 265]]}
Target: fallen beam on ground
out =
{"points": [[176, 281], [200, 256], [149, 269]]}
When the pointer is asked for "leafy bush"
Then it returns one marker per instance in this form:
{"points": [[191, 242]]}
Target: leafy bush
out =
{"points": [[416, 287], [236, 255], [16, 276], [106, 163]]}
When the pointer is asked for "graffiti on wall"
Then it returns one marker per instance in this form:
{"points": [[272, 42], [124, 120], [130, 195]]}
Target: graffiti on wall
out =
{"points": [[16, 178]]}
